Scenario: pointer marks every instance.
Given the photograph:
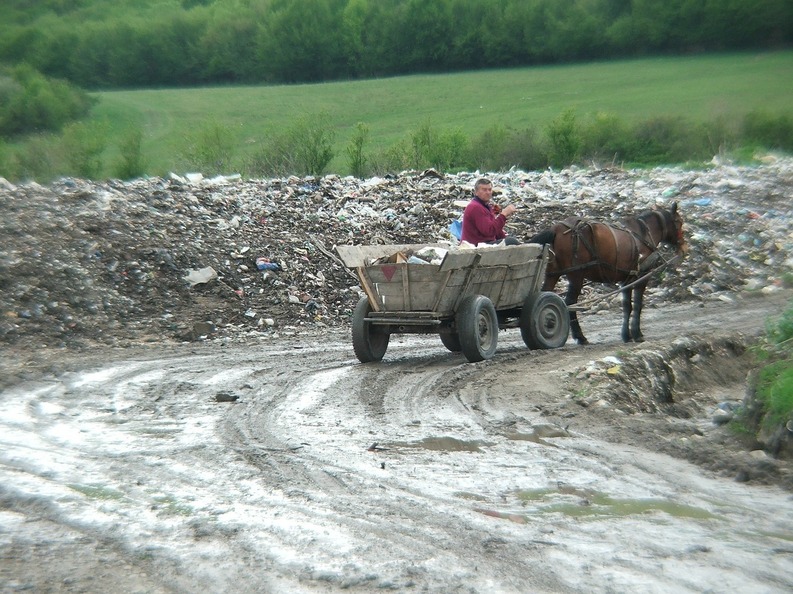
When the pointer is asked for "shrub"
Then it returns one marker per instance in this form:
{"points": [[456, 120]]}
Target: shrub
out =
{"points": [[525, 150], [83, 145], [37, 159], [722, 136], [313, 137], [210, 149], [132, 163], [663, 139], [764, 129], [32, 103], [780, 333], [392, 159], [305, 148], [356, 159], [5, 160], [564, 139], [606, 138], [441, 149], [774, 391], [769, 407], [488, 150]]}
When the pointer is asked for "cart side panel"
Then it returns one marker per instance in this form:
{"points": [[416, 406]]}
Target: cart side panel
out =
{"points": [[512, 290], [505, 286], [493, 256], [406, 287], [506, 290]]}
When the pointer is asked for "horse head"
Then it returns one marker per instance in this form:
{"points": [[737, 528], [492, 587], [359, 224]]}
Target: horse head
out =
{"points": [[672, 228]]}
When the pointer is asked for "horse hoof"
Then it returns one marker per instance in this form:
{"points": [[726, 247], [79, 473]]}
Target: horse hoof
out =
{"points": [[583, 341]]}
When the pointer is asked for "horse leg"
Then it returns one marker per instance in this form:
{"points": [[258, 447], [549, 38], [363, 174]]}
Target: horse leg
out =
{"points": [[574, 287], [638, 303], [550, 282], [627, 307]]}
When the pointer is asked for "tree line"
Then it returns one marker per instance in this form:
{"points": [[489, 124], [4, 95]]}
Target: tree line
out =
{"points": [[103, 44]]}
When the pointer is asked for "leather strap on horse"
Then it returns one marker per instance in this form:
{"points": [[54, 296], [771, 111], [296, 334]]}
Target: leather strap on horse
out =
{"points": [[634, 250], [578, 237]]}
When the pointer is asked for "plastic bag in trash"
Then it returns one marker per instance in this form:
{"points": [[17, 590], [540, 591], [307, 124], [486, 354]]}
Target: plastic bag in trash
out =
{"points": [[456, 229]]}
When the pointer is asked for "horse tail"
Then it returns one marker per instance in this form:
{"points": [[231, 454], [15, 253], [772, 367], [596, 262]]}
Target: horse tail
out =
{"points": [[546, 236]]}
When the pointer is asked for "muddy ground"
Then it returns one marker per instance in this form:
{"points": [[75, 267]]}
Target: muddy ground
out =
{"points": [[174, 419], [285, 465]]}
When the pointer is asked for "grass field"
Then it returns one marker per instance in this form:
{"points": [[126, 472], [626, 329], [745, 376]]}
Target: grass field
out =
{"points": [[700, 88]]}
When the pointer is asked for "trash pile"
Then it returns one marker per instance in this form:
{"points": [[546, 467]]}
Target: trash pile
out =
{"points": [[187, 258]]}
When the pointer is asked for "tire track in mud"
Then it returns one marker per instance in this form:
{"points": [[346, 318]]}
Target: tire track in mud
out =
{"points": [[279, 491], [384, 518]]}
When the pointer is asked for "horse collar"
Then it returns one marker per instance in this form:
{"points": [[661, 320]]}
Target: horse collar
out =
{"points": [[661, 216]]}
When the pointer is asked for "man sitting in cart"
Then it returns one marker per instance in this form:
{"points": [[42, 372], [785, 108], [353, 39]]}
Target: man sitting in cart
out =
{"points": [[483, 222]]}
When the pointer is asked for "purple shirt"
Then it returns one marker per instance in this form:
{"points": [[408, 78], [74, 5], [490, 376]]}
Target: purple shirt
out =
{"points": [[480, 225]]}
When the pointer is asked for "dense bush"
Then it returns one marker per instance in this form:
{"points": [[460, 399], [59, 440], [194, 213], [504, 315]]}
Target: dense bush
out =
{"points": [[304, 148], [33, 103]]}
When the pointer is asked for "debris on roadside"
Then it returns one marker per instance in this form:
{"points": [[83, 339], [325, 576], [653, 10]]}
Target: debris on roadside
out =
{"points": [[115, 263]]}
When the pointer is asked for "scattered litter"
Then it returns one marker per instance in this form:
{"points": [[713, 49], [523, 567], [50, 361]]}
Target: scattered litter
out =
{"points": [[200, 276], [86, 261]]}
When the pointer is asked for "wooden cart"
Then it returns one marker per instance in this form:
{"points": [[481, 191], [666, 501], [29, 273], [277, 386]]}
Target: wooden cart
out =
{"points": [[465, 299]]}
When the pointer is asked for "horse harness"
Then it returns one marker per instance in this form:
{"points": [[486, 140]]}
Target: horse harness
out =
{"points": [[637, 240]]}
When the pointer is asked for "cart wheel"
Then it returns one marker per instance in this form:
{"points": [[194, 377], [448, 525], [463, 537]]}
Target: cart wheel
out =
{"points": [[451, 340], [477, 327], [544, 321], [368, 341]]}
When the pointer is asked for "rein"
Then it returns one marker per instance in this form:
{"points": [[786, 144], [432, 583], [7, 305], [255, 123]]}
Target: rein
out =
{"points": [[589, 303]]}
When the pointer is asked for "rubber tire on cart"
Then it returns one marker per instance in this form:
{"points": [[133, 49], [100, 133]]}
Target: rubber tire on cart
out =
{"points": [[369, 341], [477, 328], [544, 321], [451, 340]]}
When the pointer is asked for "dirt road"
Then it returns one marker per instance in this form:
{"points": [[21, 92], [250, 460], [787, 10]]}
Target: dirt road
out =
{"points": [[287, 466]]}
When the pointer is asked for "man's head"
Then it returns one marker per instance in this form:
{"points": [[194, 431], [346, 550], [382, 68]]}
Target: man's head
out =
{"points": [[483, 189]]}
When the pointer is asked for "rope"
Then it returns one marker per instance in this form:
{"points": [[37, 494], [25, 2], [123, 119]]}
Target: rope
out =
{"points": [[589, 303]]}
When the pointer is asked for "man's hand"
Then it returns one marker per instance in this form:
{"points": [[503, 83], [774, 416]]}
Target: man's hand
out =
{"points": [[507, 211]]}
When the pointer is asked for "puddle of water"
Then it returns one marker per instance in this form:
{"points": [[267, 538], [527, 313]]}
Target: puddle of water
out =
{"points": [[606, 506], [593, 504], [169, 505], [445, 444], [97, 491], [470, 496], [526, 437]]}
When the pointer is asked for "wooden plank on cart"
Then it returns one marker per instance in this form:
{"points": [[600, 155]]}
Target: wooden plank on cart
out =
{"points": [[354, 256], [405, 287], [366, 284], [513, 255]]}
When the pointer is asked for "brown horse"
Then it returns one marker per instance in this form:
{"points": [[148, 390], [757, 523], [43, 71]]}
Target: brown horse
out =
{"points": [[611, 253]]}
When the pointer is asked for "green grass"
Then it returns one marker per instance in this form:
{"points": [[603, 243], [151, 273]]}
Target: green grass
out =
{"points": [[699, 88]]}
